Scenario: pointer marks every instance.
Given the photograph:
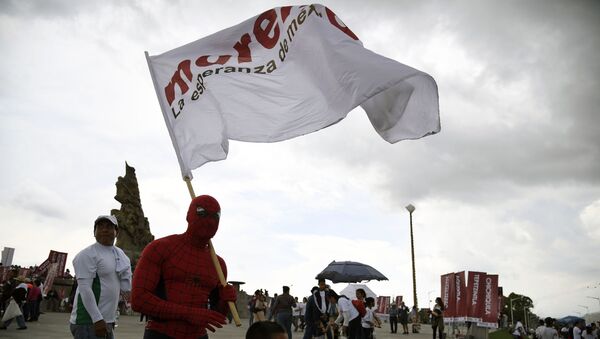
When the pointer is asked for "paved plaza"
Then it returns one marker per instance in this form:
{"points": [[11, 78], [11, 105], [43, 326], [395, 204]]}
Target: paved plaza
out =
{"points": [[55, 326]]}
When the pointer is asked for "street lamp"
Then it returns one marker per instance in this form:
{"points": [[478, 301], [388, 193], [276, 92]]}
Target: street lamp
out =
{"points": [[410, 208], [429, 297]]}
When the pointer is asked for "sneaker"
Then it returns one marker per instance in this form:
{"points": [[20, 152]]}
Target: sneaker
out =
{"points": [[22, 328]]}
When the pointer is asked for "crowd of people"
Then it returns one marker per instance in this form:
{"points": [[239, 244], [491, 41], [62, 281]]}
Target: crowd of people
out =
{"points": [[179, 287], [325, 314], [25, 294], [550, 328]]}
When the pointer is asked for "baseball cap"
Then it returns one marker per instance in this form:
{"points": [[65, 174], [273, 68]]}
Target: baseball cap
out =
{"points": [[111, 218]]}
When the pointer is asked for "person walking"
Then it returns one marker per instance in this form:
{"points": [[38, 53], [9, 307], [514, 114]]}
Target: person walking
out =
{"points": [[103, 271], [549, 331], [437, 318], [403, 317], [519, 332], [393, 314], [414, 319], [260, 307], [19, 296], [282, 310]]}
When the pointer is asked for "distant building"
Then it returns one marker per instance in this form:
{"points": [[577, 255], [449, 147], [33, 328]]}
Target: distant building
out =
{"points": [[7, 256]]}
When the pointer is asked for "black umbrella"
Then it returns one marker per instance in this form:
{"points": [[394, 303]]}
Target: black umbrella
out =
{"points": [[349, 272], [571, 319]]}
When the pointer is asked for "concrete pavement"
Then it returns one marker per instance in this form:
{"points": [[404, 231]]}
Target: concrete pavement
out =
{"points": [[55, 326]]}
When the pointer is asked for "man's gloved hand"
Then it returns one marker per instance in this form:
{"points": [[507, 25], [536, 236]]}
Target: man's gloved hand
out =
{"points": [[207, 319], [227, 293]]}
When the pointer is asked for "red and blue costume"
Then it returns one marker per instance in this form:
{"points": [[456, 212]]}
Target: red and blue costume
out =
{"points": [[175, 282]]}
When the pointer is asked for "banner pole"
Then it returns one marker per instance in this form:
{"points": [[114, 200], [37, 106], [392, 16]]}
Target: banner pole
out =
{"points": [[215, 260]]}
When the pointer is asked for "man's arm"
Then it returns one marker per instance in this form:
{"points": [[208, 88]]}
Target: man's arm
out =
{"points": [[143, 298], [88, 298], [85, 264]]}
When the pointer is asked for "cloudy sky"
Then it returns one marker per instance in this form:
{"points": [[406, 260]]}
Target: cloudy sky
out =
{"points": [[511, 184]]}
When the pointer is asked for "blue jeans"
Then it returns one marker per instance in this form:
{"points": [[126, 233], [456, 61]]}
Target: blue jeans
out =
{"points": [[87, 331], [285, 320], [20, 321]]}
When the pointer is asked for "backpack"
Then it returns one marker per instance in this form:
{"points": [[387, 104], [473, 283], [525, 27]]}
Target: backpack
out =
{"points": [[360, 307]]}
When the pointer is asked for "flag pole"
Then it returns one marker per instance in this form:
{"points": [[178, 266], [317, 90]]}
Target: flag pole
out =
{"points": [[215, 260]]}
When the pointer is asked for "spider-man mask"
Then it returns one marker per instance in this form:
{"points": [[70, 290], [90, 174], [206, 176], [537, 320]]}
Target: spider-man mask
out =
{"points": [[203, 217]]}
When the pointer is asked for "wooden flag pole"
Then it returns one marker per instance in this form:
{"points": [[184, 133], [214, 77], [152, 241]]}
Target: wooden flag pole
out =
{"points": [[215, 260]]}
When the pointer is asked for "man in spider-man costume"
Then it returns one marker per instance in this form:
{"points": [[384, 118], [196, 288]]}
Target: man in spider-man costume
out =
{"points": [[175, 282]]}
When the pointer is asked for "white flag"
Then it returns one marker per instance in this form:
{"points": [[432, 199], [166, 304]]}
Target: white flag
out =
{"points": [[287, 72]]}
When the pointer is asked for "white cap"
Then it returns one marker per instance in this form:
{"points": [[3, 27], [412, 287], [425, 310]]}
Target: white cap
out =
{"points": [[110, 218]]}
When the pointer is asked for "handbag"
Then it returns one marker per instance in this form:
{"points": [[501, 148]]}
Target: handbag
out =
{"points": [[12, 311]]}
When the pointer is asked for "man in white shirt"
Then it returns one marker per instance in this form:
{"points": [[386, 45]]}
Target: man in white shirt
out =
{"points": [[102, 271], [519, 331], [549, 331], [348, 315], [577, 330], [540, 329], [298, 315]]}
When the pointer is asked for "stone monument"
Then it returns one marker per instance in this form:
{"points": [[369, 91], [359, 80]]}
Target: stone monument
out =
{"points": [[134, 229]]}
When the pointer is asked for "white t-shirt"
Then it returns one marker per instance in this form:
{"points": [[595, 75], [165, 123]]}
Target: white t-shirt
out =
{"points": [[576, 333], [367, 320], [539, 330], [549, 333], [323, 306], [97, 277], [519, 329], [299, 309], [347, 311]]}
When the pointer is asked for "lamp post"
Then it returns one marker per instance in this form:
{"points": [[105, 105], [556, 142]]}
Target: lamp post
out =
{"points": [[410, 208], [429, 297]]}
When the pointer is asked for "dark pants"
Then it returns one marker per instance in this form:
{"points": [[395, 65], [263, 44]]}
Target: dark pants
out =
{"points": [[88, 332], [31, 310], [20, 322], [439, 329], [393, 324], [150, 334], [309, 330], [284, 318], [354, 328]]}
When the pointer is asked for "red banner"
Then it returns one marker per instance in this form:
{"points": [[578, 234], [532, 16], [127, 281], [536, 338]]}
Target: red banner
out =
{"points": [[24, 272], [54, 257], [383, 304], [52, 272], [475, 296], [398, 300], [490, 301], [4, 273], [460, 294], [448, 296]]}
